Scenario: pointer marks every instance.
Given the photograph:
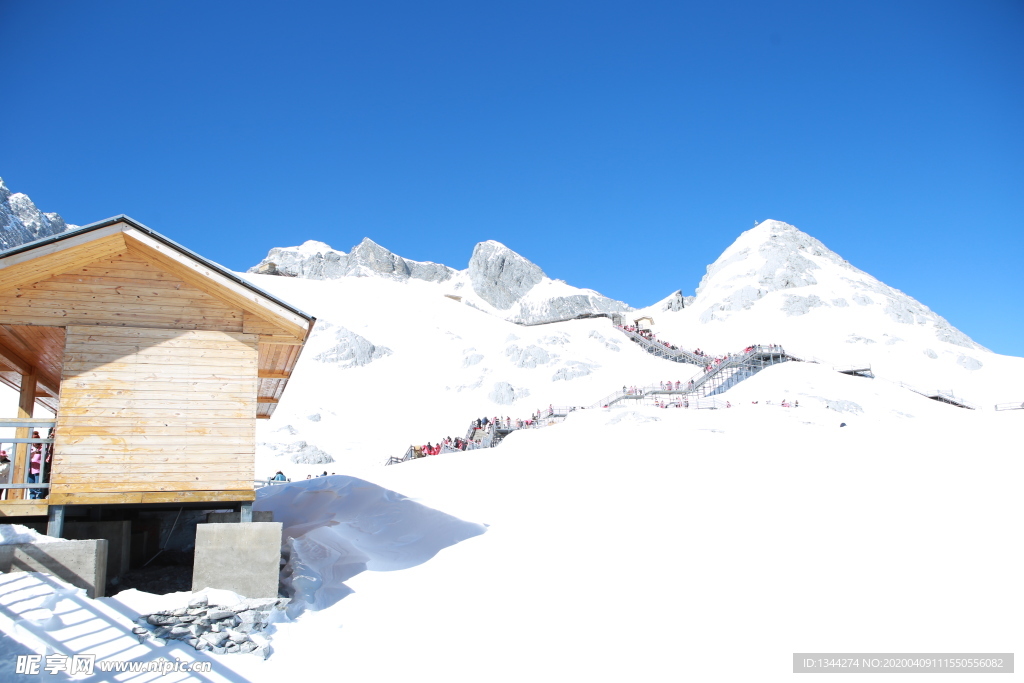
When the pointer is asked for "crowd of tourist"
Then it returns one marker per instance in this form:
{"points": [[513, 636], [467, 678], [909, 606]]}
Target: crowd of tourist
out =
{"points": [[648, 335], [509, 424], [478, 429]]}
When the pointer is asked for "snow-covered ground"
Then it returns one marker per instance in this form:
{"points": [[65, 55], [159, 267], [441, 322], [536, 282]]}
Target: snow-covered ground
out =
{"points": [[632, 543]]}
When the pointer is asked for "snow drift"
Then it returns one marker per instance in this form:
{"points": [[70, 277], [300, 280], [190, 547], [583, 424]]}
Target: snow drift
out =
{"points": [[338, 526]]}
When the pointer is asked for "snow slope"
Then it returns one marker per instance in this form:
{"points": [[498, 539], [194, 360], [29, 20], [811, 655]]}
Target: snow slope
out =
{"points": [[632, 543]]}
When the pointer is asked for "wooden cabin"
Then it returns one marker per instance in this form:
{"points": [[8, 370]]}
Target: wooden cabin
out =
{"points": [[156, 362]]}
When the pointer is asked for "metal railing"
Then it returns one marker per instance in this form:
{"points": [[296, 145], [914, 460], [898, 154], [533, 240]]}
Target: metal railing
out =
{"points": [[23, 458], [659, 348], [1010, 406], [717, 377], [260, 483], [940, 395]]}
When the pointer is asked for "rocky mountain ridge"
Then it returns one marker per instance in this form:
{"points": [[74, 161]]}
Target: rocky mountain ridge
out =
{"points": [[21, 221], [497, 279]]}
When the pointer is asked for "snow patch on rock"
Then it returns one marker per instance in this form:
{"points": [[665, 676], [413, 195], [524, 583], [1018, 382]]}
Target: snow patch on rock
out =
{"points": [[530, 357], [349, 349], [505, 394]]}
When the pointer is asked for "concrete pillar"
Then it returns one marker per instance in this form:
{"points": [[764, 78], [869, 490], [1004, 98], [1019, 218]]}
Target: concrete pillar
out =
{"points": [[55, 523], [244, 558], [246, 513]]}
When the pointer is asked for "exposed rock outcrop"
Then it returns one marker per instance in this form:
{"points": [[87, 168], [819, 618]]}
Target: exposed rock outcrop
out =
{"points": [[21, 221], [318, 261], [500, 281], [349, 349], [500, 276]]}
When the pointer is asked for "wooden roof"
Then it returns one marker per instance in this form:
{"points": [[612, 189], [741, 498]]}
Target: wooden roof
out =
{"points": [[89, 258]]}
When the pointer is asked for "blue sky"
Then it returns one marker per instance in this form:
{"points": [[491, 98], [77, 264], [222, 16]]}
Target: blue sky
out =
{"points": [[621, 146]]}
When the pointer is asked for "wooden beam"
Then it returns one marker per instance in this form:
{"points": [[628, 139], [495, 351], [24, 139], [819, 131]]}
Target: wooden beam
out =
{"points": [[266, 399], [23, 508], [26, 408], [280, 340], [143, 497], [268, 374], [11, 359]]}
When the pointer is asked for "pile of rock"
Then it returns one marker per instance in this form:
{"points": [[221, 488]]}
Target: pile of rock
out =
{"points": [[221, 629]]}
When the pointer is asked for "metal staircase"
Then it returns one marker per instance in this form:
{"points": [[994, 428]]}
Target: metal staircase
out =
{"points": [[715, 379], [658, 348]]}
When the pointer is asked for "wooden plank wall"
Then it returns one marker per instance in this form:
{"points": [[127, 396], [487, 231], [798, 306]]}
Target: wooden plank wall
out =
{"points": [[125, 289], [144, 409]]}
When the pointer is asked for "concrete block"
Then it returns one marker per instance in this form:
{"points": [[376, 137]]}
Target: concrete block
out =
{"points": [[244, 558], [236, 517], [118, 535], [80, 563]]}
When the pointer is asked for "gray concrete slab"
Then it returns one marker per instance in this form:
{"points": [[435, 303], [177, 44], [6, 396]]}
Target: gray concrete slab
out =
{"points": [[119, 538], [244, 558], [235, 517], [80, 563]]}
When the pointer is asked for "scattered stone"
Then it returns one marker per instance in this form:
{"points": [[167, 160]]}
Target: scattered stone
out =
{"points": [[248, 616], [214, 639], [217, 628]]}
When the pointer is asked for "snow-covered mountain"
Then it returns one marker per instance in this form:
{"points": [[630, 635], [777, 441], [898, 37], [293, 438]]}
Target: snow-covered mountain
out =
{"points": [[497, 280], [778, 284], [21, 221], [398, 343]]}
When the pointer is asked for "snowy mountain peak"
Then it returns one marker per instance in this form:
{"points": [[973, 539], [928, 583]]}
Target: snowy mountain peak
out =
{"points": [[778, 273], [500, 276], [21, 221]]}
